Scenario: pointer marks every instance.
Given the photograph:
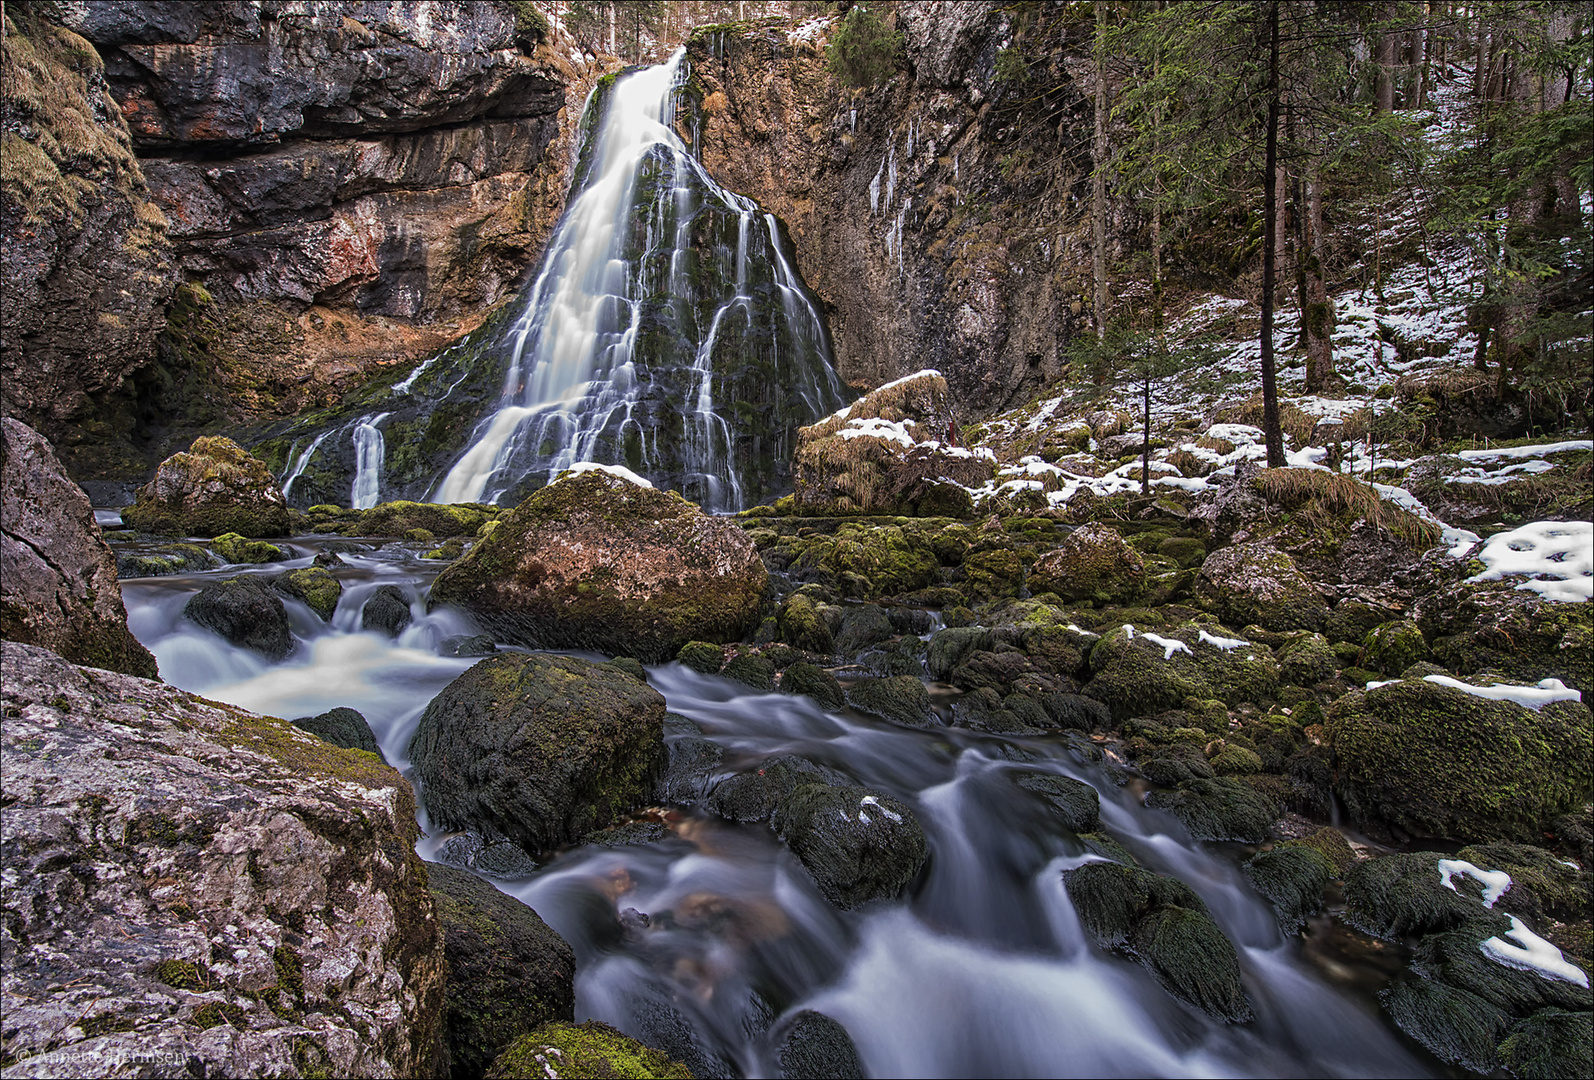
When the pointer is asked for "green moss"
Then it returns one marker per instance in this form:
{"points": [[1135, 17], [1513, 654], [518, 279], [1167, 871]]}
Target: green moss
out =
{"points": [[702, 656], [901, 699], [1187, 551], [814, 681], [751, 669], [1439, 762], [315, 586], [802, 626], [1551, 1043], [592, 1049], [1292, 876], [215, 1013], [1392, 648], [179, 975]]}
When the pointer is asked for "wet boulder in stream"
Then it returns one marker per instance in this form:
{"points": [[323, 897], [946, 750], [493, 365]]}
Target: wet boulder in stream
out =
{"points": [[387, 611], [539, 749], [595, 561], [315, 586], [343, 727], [508, 971], [857, 845], [1160, 922], [246, 612]]}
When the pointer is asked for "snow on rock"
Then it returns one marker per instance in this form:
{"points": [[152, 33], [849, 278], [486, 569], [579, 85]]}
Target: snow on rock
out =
{"points": [[1227, 644], [889, 430], [1526, 451], [1494, 882], [1169, 646], [1533, 697], [1532, 953], [619, 471], [1559, 555]]}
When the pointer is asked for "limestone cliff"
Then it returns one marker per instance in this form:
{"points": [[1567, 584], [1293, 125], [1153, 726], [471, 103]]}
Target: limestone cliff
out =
{"points": [[942, 216], [340, 185]]}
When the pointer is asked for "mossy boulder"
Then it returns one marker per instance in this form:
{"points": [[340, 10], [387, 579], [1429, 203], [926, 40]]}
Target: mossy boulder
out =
{"points": [[1253, 583], [1543, 886], [239, 550], [539, 749], [1186, 551], [1075, 803], [751, 669], [433, 520], [386, 611], [1292, 876], [595, 562], [901, 699], [578, 1051], [213, 487], [753, 796], [1307, 661], [802, 625], [1219, 808], [167, 559], [343, 727], [863, 627], [1392, 647], [948, 648], [1452, 1024], [508, 972], [1160, 922], [1549, 1044], [1435, 761], [315, 586], [866, 561], [1403, 895], [247, 612], [1135, 676], [814, 681], [1516, 634], [703, 657], [1093, 564], [857, 845]]}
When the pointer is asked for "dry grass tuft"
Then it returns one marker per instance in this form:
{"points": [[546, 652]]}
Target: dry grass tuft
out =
{"points": [[1328, 499]]}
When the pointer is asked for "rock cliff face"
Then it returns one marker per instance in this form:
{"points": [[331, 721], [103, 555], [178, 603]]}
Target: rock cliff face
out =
{"points": [[340, 185], [943, 216]]}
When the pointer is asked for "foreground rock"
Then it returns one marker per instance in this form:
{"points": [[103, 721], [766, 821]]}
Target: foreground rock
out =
{"points": [[1093, 564], [58, 586], [858, 846], [508, 972], [539, 749], [212, 488], [193, 884], [1432, 760], [594, 561]]}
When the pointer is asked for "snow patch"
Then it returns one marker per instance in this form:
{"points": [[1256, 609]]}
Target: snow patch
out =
{"points": [[1227, 644], [1532, 953], [1538, 450], [618, 471], [1559, 555], [1494, 882]]}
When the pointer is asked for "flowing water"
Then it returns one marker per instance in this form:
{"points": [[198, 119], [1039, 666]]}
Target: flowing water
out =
{"points": [[654, 266], [981, 970]]}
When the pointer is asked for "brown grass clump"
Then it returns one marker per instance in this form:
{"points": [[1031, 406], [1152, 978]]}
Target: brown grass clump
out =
{"points": [[1188, 464], [1327, 499], [716, 103]]}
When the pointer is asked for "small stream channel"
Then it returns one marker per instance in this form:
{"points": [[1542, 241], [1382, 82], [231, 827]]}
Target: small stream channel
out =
{"points": [[704, 941]]}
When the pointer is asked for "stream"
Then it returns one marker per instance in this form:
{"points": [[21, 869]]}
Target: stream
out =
{"points": [[704, 942]]}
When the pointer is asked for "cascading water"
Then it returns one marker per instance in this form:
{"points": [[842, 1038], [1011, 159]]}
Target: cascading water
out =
{"points": [[707, 941], [296, 469], [369, 452], [666, 330]]}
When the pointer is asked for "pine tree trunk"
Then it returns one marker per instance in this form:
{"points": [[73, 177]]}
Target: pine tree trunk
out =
{"points": [[1419, 64], [1386, 72], [1317, 313], [1098, 207], [1270, 395]]}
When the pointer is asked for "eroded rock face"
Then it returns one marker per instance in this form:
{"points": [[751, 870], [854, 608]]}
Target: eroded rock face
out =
{"points": [[539, 749], [58, 582], [988, 296], [213, 488], [596, 562], [85, 261], [208, 888]]}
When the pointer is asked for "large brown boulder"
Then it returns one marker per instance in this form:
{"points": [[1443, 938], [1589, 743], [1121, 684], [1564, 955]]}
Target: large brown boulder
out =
{"points": [[58, 586], [1254, 583], [595, 561], [203, 890], [213, 487]]}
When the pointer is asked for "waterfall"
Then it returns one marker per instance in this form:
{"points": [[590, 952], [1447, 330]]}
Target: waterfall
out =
{"points": [[369, 450], [299, 463], [665, 331]]}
